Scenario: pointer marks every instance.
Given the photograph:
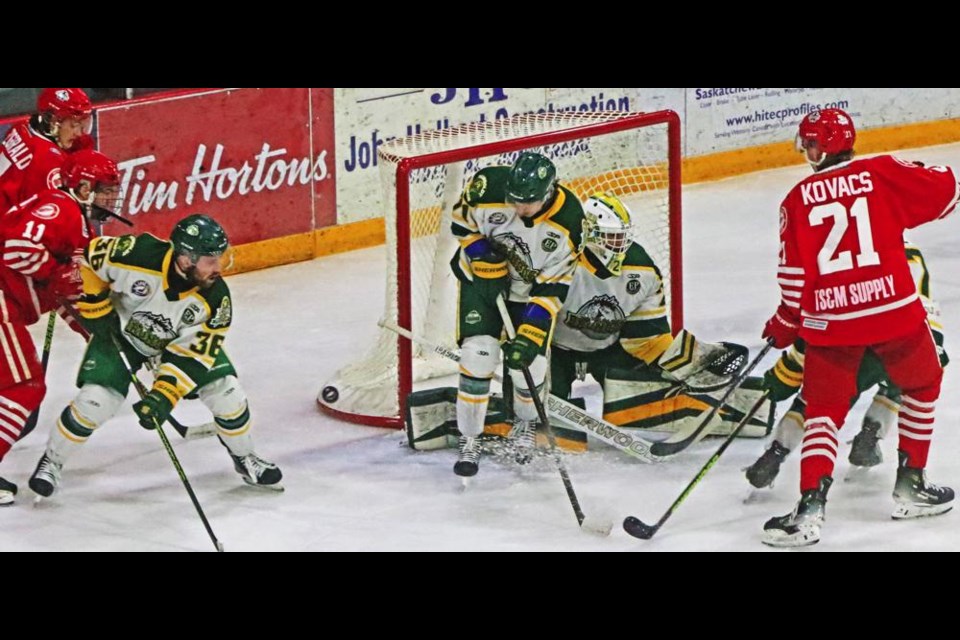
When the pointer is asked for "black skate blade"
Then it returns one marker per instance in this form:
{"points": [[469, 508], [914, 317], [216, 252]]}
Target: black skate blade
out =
{"points": [[272, 488]]}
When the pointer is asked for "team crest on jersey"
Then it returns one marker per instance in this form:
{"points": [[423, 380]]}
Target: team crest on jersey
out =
{"points": [[140, 288], [497, 217], [53, 179], [549, 245], [46, 212], [599, 318], [89, 365], [151, 329], [783, 220], [223, 316], [473, 317], [518, 255], [633, 286]]}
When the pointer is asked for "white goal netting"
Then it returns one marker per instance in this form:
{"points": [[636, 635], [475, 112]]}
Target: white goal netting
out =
{"points": [[619, 152]]}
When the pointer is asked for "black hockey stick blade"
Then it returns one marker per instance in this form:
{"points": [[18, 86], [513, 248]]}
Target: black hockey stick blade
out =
{"points": [[639, 529]]}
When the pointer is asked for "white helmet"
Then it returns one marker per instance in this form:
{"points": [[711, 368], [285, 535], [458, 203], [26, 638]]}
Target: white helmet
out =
{"points": [[607, 229]]}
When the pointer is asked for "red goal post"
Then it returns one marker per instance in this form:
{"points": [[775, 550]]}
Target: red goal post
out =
{"points": [[634, 155]]}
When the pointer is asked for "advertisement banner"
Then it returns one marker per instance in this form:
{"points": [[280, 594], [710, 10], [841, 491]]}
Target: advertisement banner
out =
{"points": [[722, 119], [366, 118], [251, 158]]}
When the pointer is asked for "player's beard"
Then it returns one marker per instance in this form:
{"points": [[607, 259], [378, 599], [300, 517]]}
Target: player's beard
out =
{"points": [[195, 280]]}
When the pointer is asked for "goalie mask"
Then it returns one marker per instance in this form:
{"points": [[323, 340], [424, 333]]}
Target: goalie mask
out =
{"points": [[607, 230]]}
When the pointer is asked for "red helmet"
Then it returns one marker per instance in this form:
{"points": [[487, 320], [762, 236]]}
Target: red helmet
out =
{"points": [[831, 128], [90, 165], [64, 103]]}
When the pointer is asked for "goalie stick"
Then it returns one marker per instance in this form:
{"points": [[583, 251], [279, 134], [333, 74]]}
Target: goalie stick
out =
{"points": [[563, 412], [667, 448], [600, 527], [638, 529]]}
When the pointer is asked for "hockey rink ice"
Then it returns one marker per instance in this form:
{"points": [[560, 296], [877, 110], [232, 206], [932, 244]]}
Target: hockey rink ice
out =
{"points": [[352, 488]]}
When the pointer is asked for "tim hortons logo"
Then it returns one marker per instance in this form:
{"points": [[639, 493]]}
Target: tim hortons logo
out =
{"points": [[269, 170]]}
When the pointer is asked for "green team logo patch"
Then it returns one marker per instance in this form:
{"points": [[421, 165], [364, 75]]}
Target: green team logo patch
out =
{"points": [[478, 186], [549, 245], [223, 316], [124, 246], [89, 365], [473, 317]]}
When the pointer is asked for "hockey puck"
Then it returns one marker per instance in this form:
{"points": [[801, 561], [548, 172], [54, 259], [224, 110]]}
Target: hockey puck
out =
{"points": [[330, 394]]}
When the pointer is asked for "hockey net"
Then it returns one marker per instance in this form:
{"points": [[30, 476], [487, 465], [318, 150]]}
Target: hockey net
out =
{"points": [[635, 156]]}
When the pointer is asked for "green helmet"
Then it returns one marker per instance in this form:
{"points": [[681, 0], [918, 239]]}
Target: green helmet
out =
{"points": [[531, 178], [199, 235]]}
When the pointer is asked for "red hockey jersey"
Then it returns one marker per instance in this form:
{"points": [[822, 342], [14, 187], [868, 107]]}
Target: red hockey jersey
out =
{"points": [[29, 164], [843, 274], [40, 238]]}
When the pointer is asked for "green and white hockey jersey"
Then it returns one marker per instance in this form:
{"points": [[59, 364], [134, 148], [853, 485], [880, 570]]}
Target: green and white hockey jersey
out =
{"points": [[541, 251], [602, 308], [160, 314]]}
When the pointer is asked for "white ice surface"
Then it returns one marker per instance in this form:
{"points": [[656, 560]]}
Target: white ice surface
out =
{"points": [[358, 488]]}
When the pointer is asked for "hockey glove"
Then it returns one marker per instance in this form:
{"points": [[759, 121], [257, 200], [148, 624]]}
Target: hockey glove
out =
{"points": [[64, 284], [155, 407], [98, 314], [520, 352], [531, 334], [781, 331], [777, 388], [489, 268]]}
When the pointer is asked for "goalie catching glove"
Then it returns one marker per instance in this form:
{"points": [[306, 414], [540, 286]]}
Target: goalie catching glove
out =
{"points": [[700, 365]]}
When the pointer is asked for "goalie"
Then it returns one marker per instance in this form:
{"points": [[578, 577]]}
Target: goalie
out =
{"points": [[615, 316]]}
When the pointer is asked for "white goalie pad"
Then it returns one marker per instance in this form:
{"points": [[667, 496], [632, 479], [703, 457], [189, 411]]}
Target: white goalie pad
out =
{"points": [[641, 399]]}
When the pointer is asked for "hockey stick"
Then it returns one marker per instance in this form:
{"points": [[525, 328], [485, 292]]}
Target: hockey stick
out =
{"points": [[599, 527], [670, 448], [638, 529], [142, 392], [561, 411], [166, 445], [31, 423]]}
